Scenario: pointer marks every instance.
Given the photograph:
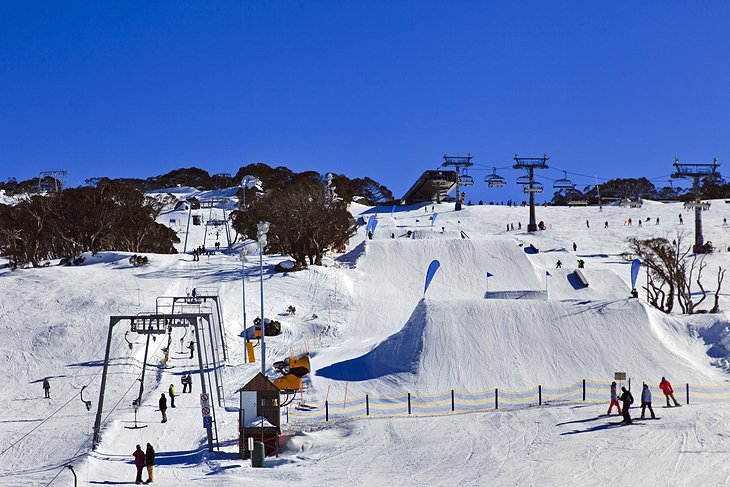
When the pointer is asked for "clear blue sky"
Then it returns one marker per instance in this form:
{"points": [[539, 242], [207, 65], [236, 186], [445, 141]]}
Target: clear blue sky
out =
{"points": [[134, 89]]}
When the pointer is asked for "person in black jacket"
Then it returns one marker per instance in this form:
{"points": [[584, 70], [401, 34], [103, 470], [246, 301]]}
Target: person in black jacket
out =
{"points": [[149, 459], [626, 401], [163, 407]]}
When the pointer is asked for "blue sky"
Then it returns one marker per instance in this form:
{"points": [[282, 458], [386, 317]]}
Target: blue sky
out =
{"points": [[380, 89]]}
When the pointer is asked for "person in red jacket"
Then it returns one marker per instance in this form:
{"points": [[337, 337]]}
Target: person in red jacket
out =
{"points": [[139, 463], [666, 388]]}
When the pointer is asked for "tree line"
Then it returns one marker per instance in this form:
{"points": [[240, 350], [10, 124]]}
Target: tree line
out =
{"points": [[86, 219]]}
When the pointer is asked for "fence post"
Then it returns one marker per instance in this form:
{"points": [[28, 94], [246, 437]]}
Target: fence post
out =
{"points": [[409, 403], [452, 400], [326, 411], [496, 398], [539, 395], [584, 389], [367, 405], [687, 392]]}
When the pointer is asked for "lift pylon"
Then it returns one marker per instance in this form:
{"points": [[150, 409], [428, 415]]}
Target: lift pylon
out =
{"points": [[698, 173]]}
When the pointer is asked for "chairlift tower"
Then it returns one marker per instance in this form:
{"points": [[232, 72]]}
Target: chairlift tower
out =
{"points": [[458, 162], [54, 175], [530, 164], [696, 172]]}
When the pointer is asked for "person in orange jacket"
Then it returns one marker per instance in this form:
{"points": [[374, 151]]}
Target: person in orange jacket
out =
{"points": [[666, 388]]}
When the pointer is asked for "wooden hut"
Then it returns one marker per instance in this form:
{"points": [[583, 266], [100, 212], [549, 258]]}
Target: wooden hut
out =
{"points": [[259, 398]]}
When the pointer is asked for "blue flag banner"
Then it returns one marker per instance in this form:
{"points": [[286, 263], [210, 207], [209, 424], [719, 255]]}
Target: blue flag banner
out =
{"points": [[634, 272], [392, 211], [432, 268], [433, 218], [548, 274], [489, 274], [372, 223]]}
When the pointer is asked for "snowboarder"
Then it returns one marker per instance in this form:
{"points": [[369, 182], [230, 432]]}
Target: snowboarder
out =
{"points": [[575, 247], [614, 401], [149, 458], [171, 390], [163, 407], [627, 399], [558, 264], [370, 234], [646, 402], [139, 463], [680, 219], [605, 225], [581, 263], [392, 235], [666, 388], [657, 221], [639, 222], [191, 347], [46, 388], [588, 224], [519, 225]]}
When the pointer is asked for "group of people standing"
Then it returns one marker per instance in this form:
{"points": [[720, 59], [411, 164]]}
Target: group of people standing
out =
{"points": [[626, 399]]}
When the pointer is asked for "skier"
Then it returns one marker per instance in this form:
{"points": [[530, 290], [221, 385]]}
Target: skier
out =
{"points": [[392, 235], [508, 227], [558, 264], [646, 402], [163, 407], [680, 219], [627, 399], [194, 292], [370, 234], [519, 225], [629, 221], [639, 222], [724, 222], [512, 226], [150, 460], [191, 347], [575, 247], [657, 221], [614, 401], [588, 224], [605, 225], [666, 388], [139, 463], [171, 390], [581, 263], [46, 388]]}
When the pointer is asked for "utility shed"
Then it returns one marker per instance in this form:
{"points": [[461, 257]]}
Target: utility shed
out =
{"points": [[260, 414]]}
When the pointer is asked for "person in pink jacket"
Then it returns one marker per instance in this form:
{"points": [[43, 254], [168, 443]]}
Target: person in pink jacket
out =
{"points": [[666, 388]]}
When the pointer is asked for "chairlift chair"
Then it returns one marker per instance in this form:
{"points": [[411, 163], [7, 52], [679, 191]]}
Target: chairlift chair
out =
{"points": [[536, 188], [466, 180], [563, 183], [523, 180], [494, 180]]}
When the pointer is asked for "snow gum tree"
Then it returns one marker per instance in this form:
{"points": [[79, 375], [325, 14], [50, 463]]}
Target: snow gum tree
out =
{"points": [[673, 273], [306, 217]]}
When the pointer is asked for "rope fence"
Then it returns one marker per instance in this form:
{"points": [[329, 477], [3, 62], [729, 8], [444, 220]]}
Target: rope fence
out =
{"points": [[455, 401]]}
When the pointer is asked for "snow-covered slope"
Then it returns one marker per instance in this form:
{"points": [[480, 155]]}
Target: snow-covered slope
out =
{"points": [[369, 330]]}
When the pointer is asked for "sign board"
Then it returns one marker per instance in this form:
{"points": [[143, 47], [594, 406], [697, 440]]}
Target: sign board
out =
{"points": [[207, 421], [205, 411], [204, 399], [619, 376]]}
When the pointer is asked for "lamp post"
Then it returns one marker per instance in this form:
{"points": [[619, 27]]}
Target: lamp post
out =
{"points": [[242, 257], [261, 229]]}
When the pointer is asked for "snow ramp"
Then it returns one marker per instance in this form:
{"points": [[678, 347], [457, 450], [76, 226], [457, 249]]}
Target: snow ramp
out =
{"points": [[477, 345]]}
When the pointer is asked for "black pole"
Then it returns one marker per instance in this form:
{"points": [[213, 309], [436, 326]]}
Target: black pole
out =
{"points": [[584, 389], [144, 368], [687, 392], [326, 411], [73, 472], [496, 398], [97, 421], [539, 395], [452, 400], [409, 403], [367, 405], [532, 226]]}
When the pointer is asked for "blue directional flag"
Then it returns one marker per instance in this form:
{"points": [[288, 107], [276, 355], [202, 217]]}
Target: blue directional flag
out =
{"points": [[432, 268], [489, 274]]}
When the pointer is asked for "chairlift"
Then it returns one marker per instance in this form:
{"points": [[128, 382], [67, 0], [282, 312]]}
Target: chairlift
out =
{"points": [[523, 180], [466, 180], [577, 202], [563, 183], [702, 205], [727, 198], [494, 180], [535, 188], [628, 203]]}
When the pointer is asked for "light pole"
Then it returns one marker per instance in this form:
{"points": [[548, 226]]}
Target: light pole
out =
{"points": [[261, 229], [242, 257]]}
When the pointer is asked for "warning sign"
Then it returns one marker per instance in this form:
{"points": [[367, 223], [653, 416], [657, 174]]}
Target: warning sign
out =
{"points": [[206, 411], [204, 398]]}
